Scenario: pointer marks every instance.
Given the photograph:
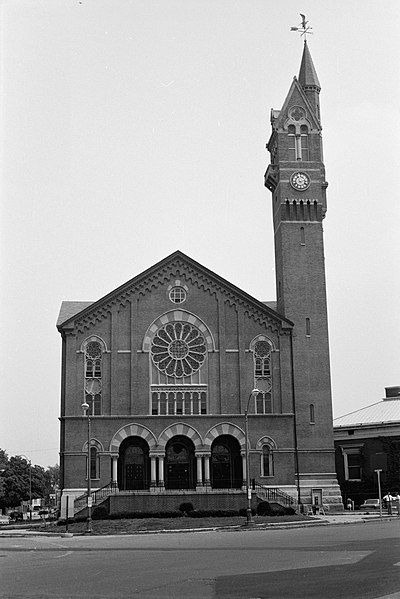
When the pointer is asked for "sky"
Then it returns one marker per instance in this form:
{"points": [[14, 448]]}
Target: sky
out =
{"points": [[131, 129]]}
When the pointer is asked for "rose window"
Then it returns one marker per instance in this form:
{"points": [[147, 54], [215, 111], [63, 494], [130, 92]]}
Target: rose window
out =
{"points": [[93, 350], [178, 349], [262, 349]]}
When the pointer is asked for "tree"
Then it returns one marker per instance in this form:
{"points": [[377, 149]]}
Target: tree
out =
{"points": [[3, 466], [21, 480], [52, 477]]}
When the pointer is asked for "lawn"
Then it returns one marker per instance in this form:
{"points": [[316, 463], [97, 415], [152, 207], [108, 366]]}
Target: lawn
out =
{"points": [[137, 525]]}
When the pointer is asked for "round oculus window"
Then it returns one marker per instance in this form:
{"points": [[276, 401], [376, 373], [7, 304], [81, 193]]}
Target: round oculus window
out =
{"points": [[92, 386], [177, 295], [262, 349], [93, 350], [178, 349]]}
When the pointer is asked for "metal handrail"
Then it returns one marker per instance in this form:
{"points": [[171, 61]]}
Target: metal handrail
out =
{"points": [[81, 502], [274, 494]]}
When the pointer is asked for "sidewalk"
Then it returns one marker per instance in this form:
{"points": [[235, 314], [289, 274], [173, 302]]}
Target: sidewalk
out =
{"points": [[331, 519]]}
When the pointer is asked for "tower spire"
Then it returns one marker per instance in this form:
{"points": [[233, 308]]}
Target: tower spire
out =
{"points": [[308, 75], [309, 81]]}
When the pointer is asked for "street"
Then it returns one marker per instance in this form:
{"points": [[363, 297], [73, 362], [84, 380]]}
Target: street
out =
{"points": [[359, 561]]}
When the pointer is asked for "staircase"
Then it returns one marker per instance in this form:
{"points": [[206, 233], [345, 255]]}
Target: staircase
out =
{"points": [[274, 495], [98, 497]]}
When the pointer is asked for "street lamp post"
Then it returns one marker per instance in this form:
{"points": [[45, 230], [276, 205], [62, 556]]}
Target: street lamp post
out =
{"points": [[86, 412], [249, 516], [378, 474], [30, 485]]}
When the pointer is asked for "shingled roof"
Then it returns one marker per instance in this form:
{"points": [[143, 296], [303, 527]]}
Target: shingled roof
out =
{"points": [[308, 75], [69, 309], [386, 411]]}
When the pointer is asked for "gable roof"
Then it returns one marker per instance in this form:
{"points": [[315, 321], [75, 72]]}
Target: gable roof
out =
{"points": [[386, 411], [278, 118], [71, 310]]}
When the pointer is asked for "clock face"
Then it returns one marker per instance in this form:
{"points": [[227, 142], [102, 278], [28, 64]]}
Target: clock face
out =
{"points": [[300, 181]]}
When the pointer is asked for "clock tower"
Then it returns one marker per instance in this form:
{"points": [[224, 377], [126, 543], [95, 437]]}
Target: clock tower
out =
{"points": [[296, 178]]}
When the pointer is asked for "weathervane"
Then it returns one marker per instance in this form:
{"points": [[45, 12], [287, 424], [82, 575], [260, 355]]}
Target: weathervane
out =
{"points": [[303, 27]]}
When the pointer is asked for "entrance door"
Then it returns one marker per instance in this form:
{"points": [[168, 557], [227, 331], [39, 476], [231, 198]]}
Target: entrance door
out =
{"points": [[134, 466], [221, 467], [226, 463], [180, 463]]}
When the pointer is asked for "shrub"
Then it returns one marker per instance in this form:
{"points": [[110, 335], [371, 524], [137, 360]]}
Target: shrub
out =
{"points": [[186, 507], [100, 513], [264, 509], [139, 515], [289, 511], [274, 509], [212, 513], [243, 512]]}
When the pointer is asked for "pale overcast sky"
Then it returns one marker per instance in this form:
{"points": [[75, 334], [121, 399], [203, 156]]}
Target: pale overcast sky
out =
{"points": [[131, 129]]}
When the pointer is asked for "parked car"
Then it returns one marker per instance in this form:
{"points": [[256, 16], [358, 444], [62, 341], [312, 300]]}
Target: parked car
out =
{"points": [[4, 519], [370, 504]]}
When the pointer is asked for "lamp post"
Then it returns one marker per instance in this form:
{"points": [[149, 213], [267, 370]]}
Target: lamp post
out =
{"points": [[86, 412], [249, 516], [378, 474], [30, 485]]}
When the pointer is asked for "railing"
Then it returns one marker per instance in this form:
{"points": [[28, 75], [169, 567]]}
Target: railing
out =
{"points": [[274, 495], [97, 496]]}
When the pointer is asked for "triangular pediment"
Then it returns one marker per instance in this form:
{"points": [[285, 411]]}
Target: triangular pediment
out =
{"points": [[176, 266], [296, 97]]}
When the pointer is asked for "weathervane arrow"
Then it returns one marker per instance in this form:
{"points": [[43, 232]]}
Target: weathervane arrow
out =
{"points": [[303, 27]]}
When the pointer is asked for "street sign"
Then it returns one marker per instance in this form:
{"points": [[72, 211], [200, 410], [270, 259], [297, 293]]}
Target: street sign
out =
{"points": [[89, 501]]}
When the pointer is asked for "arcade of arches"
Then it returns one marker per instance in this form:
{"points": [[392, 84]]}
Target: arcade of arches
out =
{"points": [[181, 466]]}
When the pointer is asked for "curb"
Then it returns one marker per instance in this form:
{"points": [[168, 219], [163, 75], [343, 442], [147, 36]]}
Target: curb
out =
{"points": [[232, 528]]}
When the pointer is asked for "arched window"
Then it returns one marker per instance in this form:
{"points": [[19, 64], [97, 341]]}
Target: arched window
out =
{"points": [[94, 463], [263, 375], [93, 351], [308, 327], [267, 461], [291, 142], [305, 153]]}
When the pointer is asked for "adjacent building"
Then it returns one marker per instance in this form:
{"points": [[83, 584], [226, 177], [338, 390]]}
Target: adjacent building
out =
{"points": [[365, 441], [168, 362]]}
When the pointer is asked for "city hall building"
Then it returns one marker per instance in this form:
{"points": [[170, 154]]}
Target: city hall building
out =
{"points": [[168, 362]]}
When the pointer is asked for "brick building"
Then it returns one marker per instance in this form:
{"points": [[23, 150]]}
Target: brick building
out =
{"points": [[366, 440], [168, 361]]}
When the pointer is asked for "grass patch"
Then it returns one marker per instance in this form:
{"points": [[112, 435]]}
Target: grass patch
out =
{"points": [[134, 525]]}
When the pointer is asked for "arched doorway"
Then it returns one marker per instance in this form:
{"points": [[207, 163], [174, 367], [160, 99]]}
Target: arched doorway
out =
{"points": [[133, 464], [226, 463], [180, 463]]}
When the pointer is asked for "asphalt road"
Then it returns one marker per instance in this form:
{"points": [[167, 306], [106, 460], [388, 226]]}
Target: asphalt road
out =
{"points": [[359, 561]]}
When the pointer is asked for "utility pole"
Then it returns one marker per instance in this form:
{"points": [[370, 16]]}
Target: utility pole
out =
{"points": [[378, 474]]}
